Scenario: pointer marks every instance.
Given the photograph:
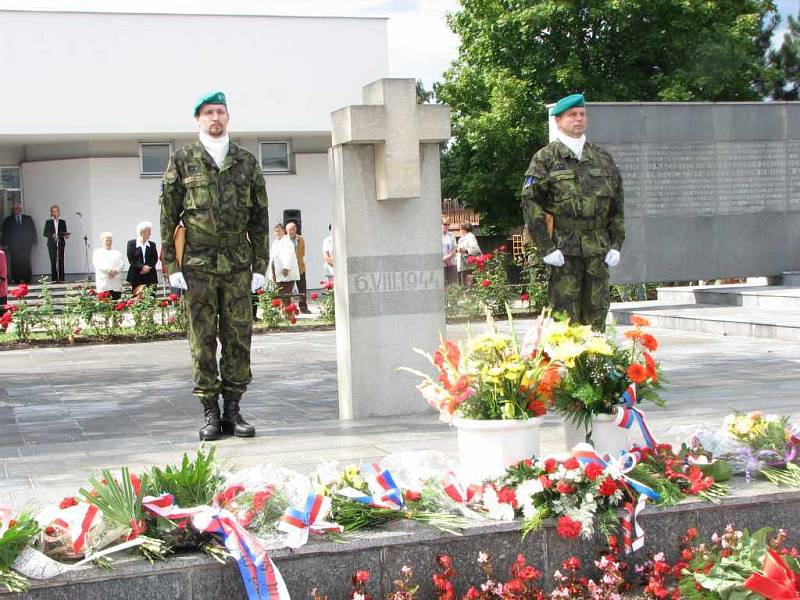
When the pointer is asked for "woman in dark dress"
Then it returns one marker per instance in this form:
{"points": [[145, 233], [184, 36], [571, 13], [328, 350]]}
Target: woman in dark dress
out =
{"points": [[143, 256]]}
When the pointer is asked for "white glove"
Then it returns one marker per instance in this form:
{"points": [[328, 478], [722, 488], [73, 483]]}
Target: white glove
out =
{"points": [[555, 259], [257, 282], [612, 258], [177, 281]]}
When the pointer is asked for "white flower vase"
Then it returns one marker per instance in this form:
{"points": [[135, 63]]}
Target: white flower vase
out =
{"points": [[607, 437], [486, 448]]}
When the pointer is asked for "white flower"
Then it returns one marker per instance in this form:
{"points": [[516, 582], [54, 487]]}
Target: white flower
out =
{"points": [[499, 511], [483, 558], [358, 596], [589, 497]]}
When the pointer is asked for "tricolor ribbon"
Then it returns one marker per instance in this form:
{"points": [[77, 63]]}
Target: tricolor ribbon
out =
{"points": [[261, 577], [385, 492], [778, 582], [456, 492], [298, 523], [618, 468], [628, 415], [86, 525]]}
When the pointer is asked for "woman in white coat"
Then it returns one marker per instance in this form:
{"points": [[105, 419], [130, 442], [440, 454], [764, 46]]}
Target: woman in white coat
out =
{"points": [[467, 246], [108, 265], [283, 269]]}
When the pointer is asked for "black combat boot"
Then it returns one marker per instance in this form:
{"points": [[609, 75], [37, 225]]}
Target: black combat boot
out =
{"points": [[232, 421], [211, 430]]}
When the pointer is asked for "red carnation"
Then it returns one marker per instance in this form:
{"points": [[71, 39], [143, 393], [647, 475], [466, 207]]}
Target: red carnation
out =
{"points": [[164, 303], [546, 482], [276, 303], [173, 297], [120, 306], [568, 527], [412, 496], [550, 465], [565, 488], [507, 495], [486, 283], [314, 295], [593, 471], [524, 296], [292, 319], [67, 502], [608, 487], [571, 463]]}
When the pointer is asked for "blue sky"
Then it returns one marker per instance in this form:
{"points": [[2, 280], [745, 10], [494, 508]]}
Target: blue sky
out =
{"points": [[420, 43]]}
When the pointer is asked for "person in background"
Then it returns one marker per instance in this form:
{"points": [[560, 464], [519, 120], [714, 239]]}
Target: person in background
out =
{"points": [[467, 246], [3, 282], [300, 251], [449, 251], [19, 237], [327, 256], [143, 257], [282, 268], [55, 230], [108, 264]]}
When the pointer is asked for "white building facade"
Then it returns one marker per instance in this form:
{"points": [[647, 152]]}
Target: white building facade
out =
{"points": [[99, 100]]}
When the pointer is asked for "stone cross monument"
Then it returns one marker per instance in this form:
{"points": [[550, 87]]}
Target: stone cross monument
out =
{"points": [[387, 245]]}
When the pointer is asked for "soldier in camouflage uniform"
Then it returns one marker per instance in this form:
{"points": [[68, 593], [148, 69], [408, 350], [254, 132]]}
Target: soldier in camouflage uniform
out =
{"points": [[216, 189], [578, 184]]}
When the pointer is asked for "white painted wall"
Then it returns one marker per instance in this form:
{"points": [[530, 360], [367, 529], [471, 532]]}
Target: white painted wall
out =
{"points": [[112, 196], [96, 73]]}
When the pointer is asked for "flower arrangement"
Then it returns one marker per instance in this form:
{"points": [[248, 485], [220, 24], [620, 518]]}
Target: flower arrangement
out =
{"points": [[736, 564], [599, 371], [15, 534], [495, 377]]}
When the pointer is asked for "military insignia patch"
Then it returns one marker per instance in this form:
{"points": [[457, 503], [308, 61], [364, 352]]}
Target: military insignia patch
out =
{"points": [[530, 180], [559, 166], [191, 168]]}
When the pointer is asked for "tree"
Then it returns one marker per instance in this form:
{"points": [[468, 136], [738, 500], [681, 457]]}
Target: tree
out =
{"points": [[517, 55], [784, 80]]}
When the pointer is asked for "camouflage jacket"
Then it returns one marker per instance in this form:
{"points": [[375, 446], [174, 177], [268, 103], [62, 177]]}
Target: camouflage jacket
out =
{"points": [[224, 211], [584, 197]]}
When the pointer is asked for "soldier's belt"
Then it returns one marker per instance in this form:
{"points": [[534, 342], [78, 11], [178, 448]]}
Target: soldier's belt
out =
{"points": [[568, 224], [220, 240]]}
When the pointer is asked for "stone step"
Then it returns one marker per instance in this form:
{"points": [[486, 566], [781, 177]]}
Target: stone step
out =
{"points": [[328, 565], [708, 318], [778, 297], [791, 278]]}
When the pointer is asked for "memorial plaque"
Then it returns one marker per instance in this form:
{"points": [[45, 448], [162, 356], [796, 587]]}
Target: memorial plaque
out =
{"points": [[718, 199]]}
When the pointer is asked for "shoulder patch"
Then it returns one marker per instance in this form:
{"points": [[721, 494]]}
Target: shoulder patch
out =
{"points": [[530, 181], [170, 176]]}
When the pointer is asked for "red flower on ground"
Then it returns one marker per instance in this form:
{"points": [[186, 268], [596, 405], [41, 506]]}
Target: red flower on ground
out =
{"points": [[314, 295], [650, 342], [608, 487], [568, 527], [486, 283], [507, 495], [260, 499], [67, 502], [412, 496], [103, 295], [637, 373], [276, 303], [572, 463], [593, 471]]}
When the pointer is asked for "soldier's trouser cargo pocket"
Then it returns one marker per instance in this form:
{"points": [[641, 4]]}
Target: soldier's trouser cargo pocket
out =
{"points": [[219, 306], [580, 289]]}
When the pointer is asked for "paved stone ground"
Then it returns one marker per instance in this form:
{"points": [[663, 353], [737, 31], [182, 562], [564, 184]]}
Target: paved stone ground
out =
{"points": [[65, 412]]}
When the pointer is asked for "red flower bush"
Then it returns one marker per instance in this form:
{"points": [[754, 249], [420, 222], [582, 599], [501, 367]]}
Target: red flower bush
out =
{"points": [[486, 283], [314, 295]]}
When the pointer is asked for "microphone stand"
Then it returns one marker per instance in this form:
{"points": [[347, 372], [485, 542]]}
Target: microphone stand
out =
{"points": [[85, 247]]}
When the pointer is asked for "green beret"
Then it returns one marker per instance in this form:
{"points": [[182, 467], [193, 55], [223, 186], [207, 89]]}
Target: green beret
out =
{"points": [[566, 103], [210, 98]]}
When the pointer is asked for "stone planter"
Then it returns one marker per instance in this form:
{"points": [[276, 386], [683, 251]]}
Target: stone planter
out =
{"points": [[486, 448], [607, 436]]}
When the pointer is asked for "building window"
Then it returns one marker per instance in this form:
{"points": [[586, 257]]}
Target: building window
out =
{"points": [[274, 157], [10, 189], [153, 158]]}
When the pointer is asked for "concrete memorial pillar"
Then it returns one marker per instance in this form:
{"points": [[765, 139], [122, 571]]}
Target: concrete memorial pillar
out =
{"points": [[387, 245]]}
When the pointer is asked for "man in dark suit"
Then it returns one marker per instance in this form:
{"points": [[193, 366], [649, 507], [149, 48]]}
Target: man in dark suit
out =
{"points": [[55, 230], [19, 237], [143, 256]]}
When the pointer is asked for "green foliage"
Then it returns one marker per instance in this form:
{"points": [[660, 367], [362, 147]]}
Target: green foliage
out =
{"points": [[144, 310], [271, 309], [57, 327], [461, 302], [517, 55], [192, 483], [534, 276], [783, 79], [19, 534], [788, 476], [327, 304]]}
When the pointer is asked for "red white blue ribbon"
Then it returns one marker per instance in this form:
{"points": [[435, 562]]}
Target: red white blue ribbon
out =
{"points": [[456, 492], [618, 469], [298, 523], [261, 577], [628, 415], [385, 492]]}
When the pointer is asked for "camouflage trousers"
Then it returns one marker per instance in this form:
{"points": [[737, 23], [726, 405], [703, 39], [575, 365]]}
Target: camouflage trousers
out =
{"points": [[219, 306], [580, 289]]}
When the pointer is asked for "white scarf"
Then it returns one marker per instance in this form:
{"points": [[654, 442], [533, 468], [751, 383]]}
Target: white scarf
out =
{"points": [[217, 147], [574, 144]]}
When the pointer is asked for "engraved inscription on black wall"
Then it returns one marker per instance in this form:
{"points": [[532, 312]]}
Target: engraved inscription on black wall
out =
{"points": [[709, 178]]}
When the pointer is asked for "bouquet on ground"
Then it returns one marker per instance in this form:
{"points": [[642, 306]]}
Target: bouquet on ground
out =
{"points": [[736, 564], [15, 535], [493, 377], [603, 376], [368, 497]]}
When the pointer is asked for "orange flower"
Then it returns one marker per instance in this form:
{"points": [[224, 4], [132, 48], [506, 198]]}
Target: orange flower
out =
{"points": [[639, 321], [650, 342], [652, 370], [637, 373], [634, 334]]}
